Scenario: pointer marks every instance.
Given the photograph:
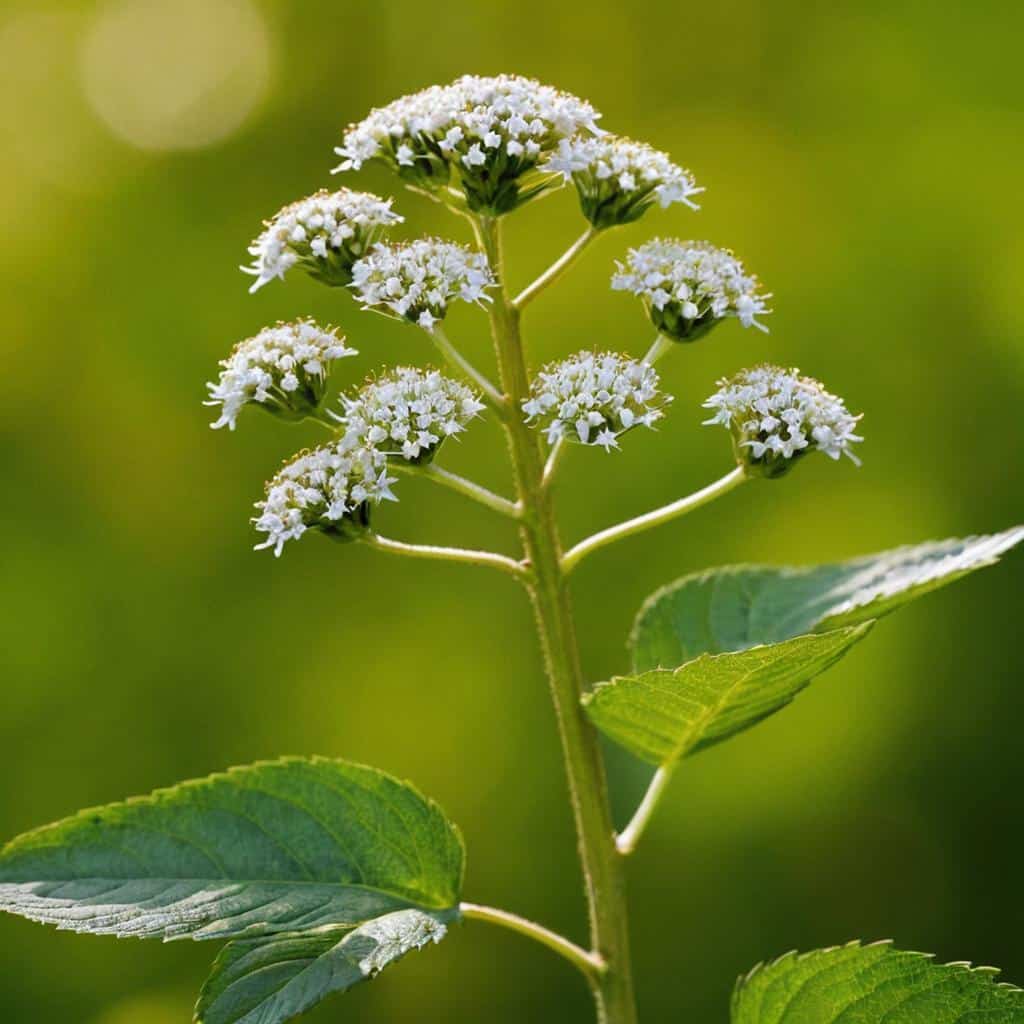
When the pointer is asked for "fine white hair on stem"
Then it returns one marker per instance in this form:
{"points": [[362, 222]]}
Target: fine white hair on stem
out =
{"points": [[283, 368], [594, 398], [776, 416], [688, 287]]}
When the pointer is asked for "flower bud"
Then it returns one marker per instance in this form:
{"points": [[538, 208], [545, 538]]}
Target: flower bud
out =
{"points": [[688, 287], [617, 179], [486, 134], [283, 369], [776, 417], [417, 280], [324, 234], [408, 412], [594, 398], [329, 489]]}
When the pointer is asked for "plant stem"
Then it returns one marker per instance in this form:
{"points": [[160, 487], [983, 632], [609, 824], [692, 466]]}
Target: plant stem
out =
{"points": [[576, 554], [460, 484], [590, 964], [630, 835], [603, 875], [554, 461], [464, 366], [555, 271], [659, 347], [464, 555]]}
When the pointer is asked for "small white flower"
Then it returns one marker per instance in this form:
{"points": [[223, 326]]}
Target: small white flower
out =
{"points": [[776, 416], [618, 179], [408, 412], [329, 489], [594, 398], [485, 132], [325, 233], [283, 368], [417, 280], [690, 286]]}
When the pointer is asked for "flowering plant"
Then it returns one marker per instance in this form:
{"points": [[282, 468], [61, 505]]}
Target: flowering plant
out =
{"points": [[319, 873]]}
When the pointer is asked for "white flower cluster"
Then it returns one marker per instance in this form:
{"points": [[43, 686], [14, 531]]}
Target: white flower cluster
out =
{"points": [[618, 179], [776, 415], [329, 489], [488, 130], [593, 398], [689, 286], [283, 368], [408, 412], [417, 280], [326, 233]]}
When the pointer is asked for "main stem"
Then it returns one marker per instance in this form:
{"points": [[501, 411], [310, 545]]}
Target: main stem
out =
{"points": [[588, 789]]}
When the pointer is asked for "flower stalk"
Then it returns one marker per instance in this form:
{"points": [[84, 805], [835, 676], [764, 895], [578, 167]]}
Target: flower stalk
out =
{"points": [[556, 270]]}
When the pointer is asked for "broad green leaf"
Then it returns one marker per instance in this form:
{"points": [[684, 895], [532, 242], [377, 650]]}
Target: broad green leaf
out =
{"points": [[733, 608], [268, 981], [874, 984], [663, 715], [285, 846]]}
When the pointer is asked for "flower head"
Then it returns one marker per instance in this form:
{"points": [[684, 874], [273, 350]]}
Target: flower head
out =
{"points": [[594, 398], [689, 286], [329, 489], [776, 417], [485, 133], [284, 369], [325, 234], [617, 179], [408, 412], [417, 280]]}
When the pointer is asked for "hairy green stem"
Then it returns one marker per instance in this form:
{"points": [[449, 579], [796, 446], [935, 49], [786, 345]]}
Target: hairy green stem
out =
{"points": [[603, 874], [577, 553], [464, 555], [460, 485], [464, 366], [590, 964]]}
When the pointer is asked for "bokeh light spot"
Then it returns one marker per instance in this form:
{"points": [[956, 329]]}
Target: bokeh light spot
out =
{"points": [[175, 74]]}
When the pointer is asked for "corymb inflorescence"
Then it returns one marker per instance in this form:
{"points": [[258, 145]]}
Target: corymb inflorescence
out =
{"points": [[330, 489], [324, 234], [618, 180], [777, 416], [688, 287], [487, 135], [418, 280], [283, 369], [594, 398], [408, 412]]}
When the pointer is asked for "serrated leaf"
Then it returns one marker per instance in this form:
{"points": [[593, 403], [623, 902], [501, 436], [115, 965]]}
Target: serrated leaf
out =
{"points": [[734, 608], [268, 981], [277, 847], [663, 715], [874, 984]]}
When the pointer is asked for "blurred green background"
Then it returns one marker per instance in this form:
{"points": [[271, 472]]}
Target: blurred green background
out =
{"points": [[863, 158]]}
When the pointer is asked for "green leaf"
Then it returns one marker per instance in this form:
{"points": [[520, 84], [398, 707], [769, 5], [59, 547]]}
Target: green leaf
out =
{"points": [[857, 984], [285, 846], [735, 608], [267, 981], [663, 715]]}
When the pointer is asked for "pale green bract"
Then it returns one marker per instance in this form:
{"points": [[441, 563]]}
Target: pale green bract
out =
{"points": [[284, 846], [663, 715], [874, 984], [734, 608], [266, 981]]}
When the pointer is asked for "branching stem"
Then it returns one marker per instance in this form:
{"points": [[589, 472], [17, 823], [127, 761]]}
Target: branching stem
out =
{"points": [[659, 347], [589, 963], [674, 509], [465, 367], [464, 555], [628, 838], [555, 271], [554, 461], [459, 484]]}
